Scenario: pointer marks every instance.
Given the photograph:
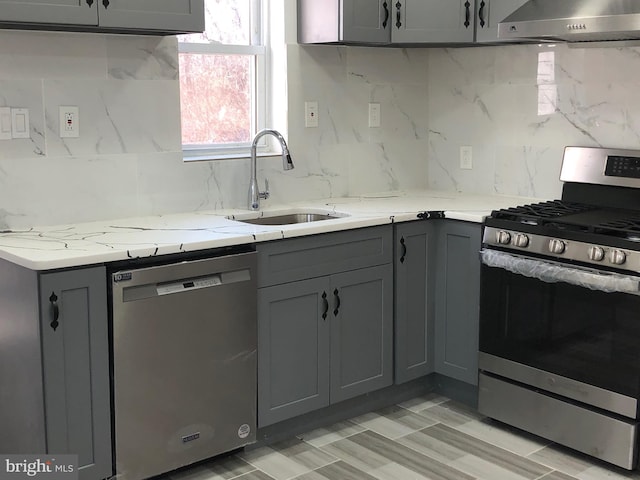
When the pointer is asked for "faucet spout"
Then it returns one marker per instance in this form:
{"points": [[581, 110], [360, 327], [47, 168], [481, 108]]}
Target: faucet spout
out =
{"points": [[287, 164]]}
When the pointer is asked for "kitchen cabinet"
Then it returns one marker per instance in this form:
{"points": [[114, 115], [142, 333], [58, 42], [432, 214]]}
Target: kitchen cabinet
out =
{"points": [[54, 365], [325, 321], [414, 259], [128, 16], [75, 363], [457, 300], [386, 21], [489, 14]]}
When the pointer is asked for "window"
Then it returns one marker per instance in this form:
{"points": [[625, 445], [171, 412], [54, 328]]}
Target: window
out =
{"points": [[223, 80]]}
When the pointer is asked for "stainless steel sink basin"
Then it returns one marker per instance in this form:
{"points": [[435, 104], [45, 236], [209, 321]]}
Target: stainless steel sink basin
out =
{"points": [[289, 219]]}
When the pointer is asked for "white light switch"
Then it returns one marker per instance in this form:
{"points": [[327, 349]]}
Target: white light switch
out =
{"points": [[5, 123], [374, 115], [466, 158], [19, 123]]}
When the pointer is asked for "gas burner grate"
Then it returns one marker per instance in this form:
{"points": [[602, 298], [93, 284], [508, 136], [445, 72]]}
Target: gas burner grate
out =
{"points": [[541, 213]]}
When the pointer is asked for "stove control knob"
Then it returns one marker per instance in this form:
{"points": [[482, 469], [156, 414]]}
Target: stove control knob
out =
{"points": [[596, 254], [503, 238], [556, 246], [521, 240], [617, 257]]}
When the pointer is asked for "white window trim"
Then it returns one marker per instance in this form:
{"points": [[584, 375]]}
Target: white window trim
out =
{"points": [[260, 95]]}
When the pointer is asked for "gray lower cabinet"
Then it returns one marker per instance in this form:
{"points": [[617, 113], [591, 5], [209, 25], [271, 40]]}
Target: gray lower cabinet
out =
{"points": [[457, 293], [131, 16], [75, 363], [414, 252], [327, 338]]}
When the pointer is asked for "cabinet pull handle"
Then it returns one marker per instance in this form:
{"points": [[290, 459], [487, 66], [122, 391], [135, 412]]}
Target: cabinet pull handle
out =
{"points": [[467, 17], [105, 3], [386, 15], [398, 15], [481, 13], [325, 303], [335, 294], [404, 250], [56, 311], [90, 2]]}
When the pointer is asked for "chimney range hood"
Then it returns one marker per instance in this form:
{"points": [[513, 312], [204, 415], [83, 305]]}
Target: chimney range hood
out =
{"points": [[573, 21]]}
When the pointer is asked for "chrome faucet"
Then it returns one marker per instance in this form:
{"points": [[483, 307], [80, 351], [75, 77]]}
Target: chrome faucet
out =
{"points": [[287, 164]]}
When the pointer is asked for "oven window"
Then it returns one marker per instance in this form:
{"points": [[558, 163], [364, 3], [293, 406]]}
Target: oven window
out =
{"points": [[589, 336]]}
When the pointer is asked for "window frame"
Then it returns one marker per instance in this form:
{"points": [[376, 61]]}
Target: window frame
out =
{"points": [[260, 73]]}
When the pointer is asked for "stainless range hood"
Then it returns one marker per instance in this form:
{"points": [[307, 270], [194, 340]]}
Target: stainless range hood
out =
{"points": [[573, 21]]}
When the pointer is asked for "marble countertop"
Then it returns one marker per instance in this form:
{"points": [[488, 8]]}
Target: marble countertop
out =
{"points": [[61, 246]]}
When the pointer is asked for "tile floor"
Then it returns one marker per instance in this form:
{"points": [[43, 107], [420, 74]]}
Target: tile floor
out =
{"points": [[430, 437]]}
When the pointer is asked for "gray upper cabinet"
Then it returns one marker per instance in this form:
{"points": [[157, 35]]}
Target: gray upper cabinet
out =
{"points": [[127, 16], [385, 21], [163, 15], [75, 363], [457, 300], [76, 12], [414, 259], [489, 14]]}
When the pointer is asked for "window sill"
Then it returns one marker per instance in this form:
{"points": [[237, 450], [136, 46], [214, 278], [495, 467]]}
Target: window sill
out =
{"points": [[187, 157]]}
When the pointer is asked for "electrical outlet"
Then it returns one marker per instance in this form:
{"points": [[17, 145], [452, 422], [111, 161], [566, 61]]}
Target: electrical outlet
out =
{"points": [[5, 123], [466, 158], [69, 122], [310, 114], [374, 115]]}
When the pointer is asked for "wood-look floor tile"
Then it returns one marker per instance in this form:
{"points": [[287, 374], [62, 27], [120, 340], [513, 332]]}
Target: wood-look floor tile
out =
{"points": [[431, 447], [332, 433], [227, 468], [504, 436], [602, 472], [394, 471], [394, 422], [451, 413], [407, 457], [355, 454], [274, 463], [521, 466], [421, 403], [304, 453], [485, 470], [336, 471], [557, 476], [255, 475], [562, 459]]}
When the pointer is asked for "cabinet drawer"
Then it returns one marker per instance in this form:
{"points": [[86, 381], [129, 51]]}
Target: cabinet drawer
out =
{"points": [[306, 257]]}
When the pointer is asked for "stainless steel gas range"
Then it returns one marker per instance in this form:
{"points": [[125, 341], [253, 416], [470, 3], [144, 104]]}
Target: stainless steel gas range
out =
{"points": [[560, 309]]}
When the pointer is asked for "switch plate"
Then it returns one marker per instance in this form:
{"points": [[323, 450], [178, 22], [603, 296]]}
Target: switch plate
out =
{"points": [[310, 114], [69, 122], [466, 158], [5, 123], [374, 115], [19, 123]]}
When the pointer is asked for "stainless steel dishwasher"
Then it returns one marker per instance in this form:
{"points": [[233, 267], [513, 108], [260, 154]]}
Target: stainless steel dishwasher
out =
{"points": [[184, 362]]}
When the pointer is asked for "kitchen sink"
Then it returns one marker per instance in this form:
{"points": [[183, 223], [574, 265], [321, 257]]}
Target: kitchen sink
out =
{"points": [[287, 218]]}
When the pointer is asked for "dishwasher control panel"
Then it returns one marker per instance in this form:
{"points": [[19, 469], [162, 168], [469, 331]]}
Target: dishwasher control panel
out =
{"points": [[190, 284]]}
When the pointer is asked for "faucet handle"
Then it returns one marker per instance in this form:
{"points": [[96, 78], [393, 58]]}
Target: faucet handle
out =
{"points": [[264, 195]]}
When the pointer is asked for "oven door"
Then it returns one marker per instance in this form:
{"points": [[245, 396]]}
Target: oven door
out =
{"points": [[568, 330]]}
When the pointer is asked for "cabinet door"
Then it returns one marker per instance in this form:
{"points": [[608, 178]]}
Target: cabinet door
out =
{"points": [[432, 21], [361, 331], [489, 14], [293, 349], [65, 12], [161, 15], [414, 261], [366, 21], [75, 357], [457, 300]]}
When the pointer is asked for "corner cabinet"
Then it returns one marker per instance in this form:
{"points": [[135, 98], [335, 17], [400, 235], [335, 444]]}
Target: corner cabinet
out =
{"points": [[325, 320], [75, 363], [54, 365], [414, 258], [114, 16], [457, 303]]}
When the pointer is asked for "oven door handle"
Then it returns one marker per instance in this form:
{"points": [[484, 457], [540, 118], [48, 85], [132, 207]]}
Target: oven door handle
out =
{"points": [[553, 272]]}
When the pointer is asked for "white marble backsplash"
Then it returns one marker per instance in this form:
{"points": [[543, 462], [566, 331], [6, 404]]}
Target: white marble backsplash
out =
{"points": [[516, 105]]}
